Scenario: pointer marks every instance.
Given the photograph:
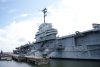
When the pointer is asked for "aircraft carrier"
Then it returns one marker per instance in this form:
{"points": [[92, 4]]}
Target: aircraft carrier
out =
{"points": [[80, 45]]}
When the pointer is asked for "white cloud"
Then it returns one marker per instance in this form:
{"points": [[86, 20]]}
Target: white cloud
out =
{"points": [[16, 34], [74, 15], [67, 16], [25, 15]]}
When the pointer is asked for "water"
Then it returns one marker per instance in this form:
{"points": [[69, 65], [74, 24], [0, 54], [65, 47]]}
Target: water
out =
{"points": [[13, 64], [53, 63]]}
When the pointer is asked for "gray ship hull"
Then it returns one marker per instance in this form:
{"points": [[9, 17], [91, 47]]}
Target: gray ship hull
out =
{"points": [[81, 45]]}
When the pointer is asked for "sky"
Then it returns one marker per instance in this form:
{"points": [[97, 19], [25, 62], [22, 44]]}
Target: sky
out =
{"points": [[20, 19]]}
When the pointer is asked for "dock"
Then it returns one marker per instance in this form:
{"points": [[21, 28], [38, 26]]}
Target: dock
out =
{"points": [[5, 57], [30, 59]]}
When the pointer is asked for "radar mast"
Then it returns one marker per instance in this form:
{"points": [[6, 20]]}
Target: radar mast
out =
{"points": [[44, 12]]}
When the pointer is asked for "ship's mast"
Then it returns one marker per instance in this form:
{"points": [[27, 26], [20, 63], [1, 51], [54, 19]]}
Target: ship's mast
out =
{"points": [[44, 12]]}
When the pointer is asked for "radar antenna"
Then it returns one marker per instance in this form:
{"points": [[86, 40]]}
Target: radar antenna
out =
{"points": [[44, 12]]}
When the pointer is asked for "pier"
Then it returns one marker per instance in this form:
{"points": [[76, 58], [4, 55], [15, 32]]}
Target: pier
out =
{"points": [[5, 56], [23, 58], [30, 59]]}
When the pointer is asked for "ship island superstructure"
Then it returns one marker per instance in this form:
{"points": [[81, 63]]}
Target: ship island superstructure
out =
{"points": [[80, 45]]}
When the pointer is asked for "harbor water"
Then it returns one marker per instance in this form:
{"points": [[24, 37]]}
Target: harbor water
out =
{"points": [[53, 63]]}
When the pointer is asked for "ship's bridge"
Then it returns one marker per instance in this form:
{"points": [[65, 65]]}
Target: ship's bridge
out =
{"points": [[45, 32]]}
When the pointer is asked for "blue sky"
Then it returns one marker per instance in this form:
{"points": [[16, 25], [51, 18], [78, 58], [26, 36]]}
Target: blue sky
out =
{"points": [[20, 19], [12, 9]]}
